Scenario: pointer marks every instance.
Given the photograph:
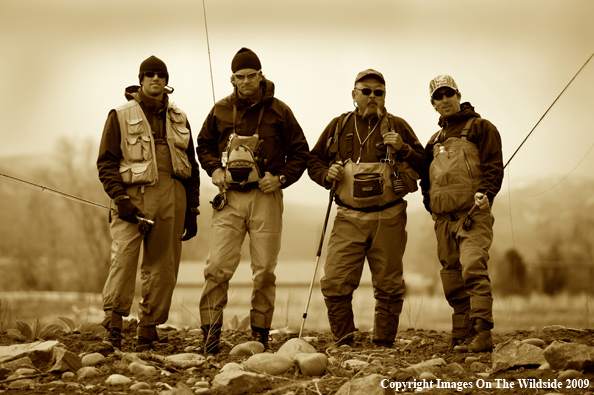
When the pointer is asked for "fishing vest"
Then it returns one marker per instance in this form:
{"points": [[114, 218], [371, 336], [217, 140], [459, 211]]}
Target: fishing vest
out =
{"points": [[138, 165], [240, 158], [455, 173], [370, 184]]}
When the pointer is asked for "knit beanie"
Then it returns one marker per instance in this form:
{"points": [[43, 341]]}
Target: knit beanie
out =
{"points": [[245, 59], [152, 64]]}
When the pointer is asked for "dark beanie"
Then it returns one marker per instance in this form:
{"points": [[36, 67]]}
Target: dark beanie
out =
{"points": [[245, 59], [152, 64]]}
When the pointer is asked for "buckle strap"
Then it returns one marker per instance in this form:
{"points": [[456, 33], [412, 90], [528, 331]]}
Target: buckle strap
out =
{"points": [[371, 209]]}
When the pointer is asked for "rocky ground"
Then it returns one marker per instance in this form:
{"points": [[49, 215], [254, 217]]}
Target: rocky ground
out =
{"points": [[554, 356]]}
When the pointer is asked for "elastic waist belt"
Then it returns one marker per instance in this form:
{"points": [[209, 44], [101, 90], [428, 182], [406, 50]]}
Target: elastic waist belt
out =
{"points": [[454, 216], [370, 209], [243, 188], [160, 141]]}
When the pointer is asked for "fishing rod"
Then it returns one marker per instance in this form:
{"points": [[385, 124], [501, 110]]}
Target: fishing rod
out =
{"points": [[208, 48], [20, 181], [547, 111]]}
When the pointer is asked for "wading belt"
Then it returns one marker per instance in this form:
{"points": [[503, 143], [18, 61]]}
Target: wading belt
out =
{"points": [[370, 209]]}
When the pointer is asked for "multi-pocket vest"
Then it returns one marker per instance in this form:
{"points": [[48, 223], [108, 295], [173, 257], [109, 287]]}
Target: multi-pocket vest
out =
{"points": [[455, 173], [369, 184], [138, 165]]}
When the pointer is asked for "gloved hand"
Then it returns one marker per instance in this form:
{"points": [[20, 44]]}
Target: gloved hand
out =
{"points": [[128, 211], [190, 225]]}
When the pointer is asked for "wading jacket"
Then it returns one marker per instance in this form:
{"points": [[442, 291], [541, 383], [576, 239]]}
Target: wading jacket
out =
{"points": [[484, 135], [127, 151], [283, 147]]}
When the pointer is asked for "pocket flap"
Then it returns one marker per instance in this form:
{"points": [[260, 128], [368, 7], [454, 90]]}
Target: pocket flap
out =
{"points": [[132, 139]]}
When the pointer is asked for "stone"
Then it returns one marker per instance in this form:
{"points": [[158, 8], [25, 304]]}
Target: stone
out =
{"points": [[92, 359], [515, 354], [56, 383], [22, 383], [8, 353], [202, 391], [24, 362], [273, 364], [535, 342], [142, 369], [470, 360], [247, 349], [88, 371], [453, 369], [311, 364], [562, 356], [545, 366], [431, 366], [569, 374], [140, 386], [477, 367], [68, 375], [117, 379], [369, 385], [235, 382], [201, 384], [26, 372], [65, 361], [295, 346], [427, 376], [145, 392], [355, 364], [179, 389], [231, 366]]}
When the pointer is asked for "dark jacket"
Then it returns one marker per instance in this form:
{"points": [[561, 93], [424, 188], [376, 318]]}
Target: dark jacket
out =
{"points": [[320, 160], [488, 141], [283, 146], [108, 161]]}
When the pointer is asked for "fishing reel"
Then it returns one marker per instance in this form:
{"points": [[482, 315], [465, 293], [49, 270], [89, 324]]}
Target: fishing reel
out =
{"points": [[219, 201], [145, 225]]}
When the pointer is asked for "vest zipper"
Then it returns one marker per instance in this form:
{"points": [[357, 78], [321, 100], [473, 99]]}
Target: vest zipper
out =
{"points": [[467, 165]]}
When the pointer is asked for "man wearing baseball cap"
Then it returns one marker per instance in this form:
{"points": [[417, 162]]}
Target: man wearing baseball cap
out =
{"points": [[371, 158], [465, 171], [253, 147], [148, 167]]}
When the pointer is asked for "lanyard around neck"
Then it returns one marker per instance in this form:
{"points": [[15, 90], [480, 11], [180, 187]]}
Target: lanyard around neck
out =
{"points": [[362, 143]]}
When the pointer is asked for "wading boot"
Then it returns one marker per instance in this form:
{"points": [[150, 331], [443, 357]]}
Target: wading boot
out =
{"points": [[212, 338], [113, 338], [479, 339], [261, 335], [147, 335]]}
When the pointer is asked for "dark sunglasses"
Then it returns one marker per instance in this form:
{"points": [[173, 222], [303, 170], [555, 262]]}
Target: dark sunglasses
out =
{"points": [[367, 91], [151, 74], [447, 93]]}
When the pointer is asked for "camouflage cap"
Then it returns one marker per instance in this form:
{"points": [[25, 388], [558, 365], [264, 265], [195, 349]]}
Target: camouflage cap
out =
{"points": [[440, 81]]}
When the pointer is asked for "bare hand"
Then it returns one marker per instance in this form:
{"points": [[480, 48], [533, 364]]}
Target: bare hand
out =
{"points": [[481, 200], [394, 140], [269, 183], [218, 179], [335, 173]]}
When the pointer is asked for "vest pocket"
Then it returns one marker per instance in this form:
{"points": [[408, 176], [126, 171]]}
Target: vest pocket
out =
{"points": [[181, 136], [135, 174], [138, 148], [367, 185]]}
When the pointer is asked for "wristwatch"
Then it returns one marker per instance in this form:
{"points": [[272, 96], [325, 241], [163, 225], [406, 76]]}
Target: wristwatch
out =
{"points": [[282, 179]]}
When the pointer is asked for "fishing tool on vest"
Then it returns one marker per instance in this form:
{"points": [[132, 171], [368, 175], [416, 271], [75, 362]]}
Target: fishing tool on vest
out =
{"points": [[397, 182], [467, 224], [219, 201]]}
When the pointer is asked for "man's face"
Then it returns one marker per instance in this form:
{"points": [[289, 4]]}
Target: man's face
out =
{"points": [[446, 101], [247, 81], [153, 83], [370, 96]]}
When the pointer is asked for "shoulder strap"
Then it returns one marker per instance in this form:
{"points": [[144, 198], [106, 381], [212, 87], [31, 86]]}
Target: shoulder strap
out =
{"points": [[333, 142], [464, 133]]}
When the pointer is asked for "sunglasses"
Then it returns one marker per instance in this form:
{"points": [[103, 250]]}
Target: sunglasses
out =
{"points": [[447, 93], [367, 91], [250, 76], [151, 74]]}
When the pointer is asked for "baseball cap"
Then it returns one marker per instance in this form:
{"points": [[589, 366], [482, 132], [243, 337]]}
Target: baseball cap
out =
{"points": [[369, 72], [440, 81]]}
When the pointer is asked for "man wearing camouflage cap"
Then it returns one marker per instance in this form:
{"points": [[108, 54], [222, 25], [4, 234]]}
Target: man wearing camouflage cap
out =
{"points": [[465, 171], [372, 158]]}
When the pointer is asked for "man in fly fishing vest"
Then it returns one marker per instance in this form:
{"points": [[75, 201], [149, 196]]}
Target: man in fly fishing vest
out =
{"points": [[372, 158], [148, 167], [465, 170], [253, 148]]}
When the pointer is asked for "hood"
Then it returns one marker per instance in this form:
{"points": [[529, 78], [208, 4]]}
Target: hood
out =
{"points": [[267, 93], [466, 112]]}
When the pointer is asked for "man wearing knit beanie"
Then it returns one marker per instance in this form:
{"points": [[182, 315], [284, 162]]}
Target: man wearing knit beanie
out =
{"points": [[265, 152], [147, 165]]}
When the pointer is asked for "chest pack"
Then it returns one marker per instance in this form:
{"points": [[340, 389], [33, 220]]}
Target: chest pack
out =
{"points": [[455, 173], [368, 184], [240, 158]]}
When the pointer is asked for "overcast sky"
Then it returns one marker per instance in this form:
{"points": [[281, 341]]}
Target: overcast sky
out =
{"points": [[65, 64]]}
